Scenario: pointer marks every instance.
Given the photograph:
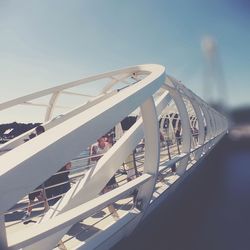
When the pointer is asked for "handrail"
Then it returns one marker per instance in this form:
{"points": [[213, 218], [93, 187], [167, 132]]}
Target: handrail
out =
{"points": [[70, 217], [150, 93]]}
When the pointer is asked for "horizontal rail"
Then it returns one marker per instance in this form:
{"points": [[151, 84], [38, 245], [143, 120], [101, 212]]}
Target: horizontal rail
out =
{"points": [[68, 218]]}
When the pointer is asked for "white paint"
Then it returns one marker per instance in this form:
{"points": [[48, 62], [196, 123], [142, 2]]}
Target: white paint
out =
{"points": [[26, 165]]}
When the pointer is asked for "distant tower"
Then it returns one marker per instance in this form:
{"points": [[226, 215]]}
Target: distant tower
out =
{"points": [[214, 90]]}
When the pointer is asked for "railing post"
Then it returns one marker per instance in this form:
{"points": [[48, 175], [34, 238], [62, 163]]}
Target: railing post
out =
{"points": [[178, 145], [169, 155], [3, 237]]}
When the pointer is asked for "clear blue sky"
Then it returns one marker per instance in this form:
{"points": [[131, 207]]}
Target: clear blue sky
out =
{"points": [[46, 43]]}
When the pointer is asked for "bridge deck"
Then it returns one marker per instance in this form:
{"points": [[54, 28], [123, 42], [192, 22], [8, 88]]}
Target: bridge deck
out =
{"points": [[88, 227]]}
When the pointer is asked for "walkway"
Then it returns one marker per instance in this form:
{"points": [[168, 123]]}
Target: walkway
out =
{"points": [[83, 230]]}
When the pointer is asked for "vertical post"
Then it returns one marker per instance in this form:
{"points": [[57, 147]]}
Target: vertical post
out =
{"points": [[178, 147], [3, 237], [135, 166], [169, 155]]}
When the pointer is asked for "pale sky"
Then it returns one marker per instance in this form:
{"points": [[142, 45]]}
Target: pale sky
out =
{"points": [[47, 43]]}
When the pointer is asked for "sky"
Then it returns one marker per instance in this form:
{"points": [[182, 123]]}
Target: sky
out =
{"points": [[47, 43]]}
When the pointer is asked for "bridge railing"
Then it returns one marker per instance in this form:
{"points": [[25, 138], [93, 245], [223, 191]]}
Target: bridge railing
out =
{"points": [[151, 95], [164, 170], [74, 215]]}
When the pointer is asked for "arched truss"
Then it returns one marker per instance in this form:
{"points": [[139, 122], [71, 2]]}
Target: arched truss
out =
{"points": [[144, 90]]}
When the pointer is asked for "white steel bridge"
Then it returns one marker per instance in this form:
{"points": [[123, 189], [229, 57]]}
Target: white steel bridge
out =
{"points": [[173, 132]]}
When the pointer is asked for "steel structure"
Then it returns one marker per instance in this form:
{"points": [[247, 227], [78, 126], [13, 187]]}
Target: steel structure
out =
{"points": [[144, 90]]}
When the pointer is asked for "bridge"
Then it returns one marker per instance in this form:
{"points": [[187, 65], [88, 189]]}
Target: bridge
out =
{"points": [[173, 132]]}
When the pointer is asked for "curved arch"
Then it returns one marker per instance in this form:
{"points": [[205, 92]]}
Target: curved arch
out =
{"points": [[184, 117], [51, 106], [196, 107], [73, 131]]}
